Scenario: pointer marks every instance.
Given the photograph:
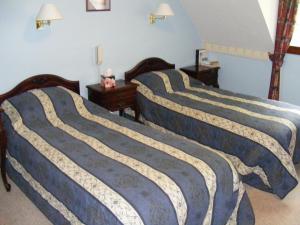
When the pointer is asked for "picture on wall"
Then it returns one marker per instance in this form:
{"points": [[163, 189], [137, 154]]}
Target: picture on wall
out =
{"points": [[97, 5]]}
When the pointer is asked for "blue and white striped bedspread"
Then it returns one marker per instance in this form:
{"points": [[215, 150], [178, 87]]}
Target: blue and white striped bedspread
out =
{"points": [[81, 165], [259, 136]]}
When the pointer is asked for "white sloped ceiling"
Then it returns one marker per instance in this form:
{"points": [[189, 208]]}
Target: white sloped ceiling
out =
{"points": [[248, 24]]}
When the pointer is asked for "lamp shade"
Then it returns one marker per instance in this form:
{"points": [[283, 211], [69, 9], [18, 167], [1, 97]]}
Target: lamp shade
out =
{"points": [[49, 12], [164, 10]]}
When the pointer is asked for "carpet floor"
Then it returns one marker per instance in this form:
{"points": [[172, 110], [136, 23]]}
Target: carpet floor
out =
{"points": [[17, 209]]}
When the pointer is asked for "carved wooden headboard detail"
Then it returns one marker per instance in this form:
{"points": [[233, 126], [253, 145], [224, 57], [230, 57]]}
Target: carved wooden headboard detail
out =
{"points": [[148, 65], [40, 81]]}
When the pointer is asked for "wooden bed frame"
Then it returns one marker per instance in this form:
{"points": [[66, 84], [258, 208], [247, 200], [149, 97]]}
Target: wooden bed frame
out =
{"points": [[35, 82], [148, 65]]}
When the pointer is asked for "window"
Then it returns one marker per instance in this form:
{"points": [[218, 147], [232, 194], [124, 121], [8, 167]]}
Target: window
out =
{"points": [[295, 43]]}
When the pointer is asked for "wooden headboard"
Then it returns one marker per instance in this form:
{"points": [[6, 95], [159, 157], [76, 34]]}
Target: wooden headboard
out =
{"points": [[148, 65], [39, 81]]}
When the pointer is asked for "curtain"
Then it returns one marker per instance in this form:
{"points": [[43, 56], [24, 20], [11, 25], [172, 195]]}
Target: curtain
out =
{"points": [[287, 11]]}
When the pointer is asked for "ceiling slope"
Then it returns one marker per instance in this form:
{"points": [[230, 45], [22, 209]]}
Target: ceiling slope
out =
{"points": [[248, 24], [269, 9]]}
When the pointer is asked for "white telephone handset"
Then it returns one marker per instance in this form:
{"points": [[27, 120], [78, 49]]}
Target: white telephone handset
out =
{"points": [[99, 55]]}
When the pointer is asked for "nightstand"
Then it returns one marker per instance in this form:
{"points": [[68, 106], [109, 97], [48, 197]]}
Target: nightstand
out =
{"points": [[207, 75], [115, 99]]}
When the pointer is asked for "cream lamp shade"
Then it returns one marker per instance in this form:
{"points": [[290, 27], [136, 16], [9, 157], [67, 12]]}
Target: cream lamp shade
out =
{"points": [[164, 10], [47, 13]]}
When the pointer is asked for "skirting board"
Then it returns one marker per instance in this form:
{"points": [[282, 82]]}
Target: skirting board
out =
{"points": [[237, 51]]}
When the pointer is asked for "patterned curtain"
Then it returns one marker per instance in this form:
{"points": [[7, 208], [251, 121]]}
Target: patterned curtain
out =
{"points": [[285, 26]]}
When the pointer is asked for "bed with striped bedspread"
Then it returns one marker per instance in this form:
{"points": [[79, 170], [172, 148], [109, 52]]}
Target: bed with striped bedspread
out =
{"points": [[82, 165], [259, 136]]}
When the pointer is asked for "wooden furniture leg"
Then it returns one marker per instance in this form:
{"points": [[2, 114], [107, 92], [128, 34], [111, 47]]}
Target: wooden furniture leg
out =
{"points": [[3, 146], [137, 113]]}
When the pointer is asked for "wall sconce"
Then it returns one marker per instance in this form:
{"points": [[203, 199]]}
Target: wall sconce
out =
{"points": [[47, 13], [161, 13]]}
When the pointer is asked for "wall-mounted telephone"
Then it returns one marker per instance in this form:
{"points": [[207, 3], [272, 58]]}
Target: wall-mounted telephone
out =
{"points": [[99, 55]]}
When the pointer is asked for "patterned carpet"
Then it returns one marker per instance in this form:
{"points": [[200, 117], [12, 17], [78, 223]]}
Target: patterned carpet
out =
{"points": [[16, 209]]}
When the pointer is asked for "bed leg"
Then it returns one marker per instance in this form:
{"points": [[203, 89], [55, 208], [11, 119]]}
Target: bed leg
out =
{"points": [[3, 173], [3, 145]]}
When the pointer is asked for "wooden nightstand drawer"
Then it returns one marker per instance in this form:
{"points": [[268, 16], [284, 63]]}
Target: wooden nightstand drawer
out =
{"points": [[121, 94], [107, 98], [207, 78], [120, 104]]}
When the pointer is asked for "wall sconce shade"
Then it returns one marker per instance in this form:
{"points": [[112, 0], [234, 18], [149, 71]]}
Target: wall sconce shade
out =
{"points": [[163, 11], [47, 13]]}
